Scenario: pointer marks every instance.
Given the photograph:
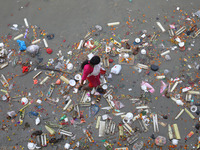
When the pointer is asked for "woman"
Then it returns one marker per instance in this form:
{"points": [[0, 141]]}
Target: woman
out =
{"points": [[91, 71]]}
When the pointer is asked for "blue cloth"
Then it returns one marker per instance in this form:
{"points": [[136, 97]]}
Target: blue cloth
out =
{"points": [[22, 45]]}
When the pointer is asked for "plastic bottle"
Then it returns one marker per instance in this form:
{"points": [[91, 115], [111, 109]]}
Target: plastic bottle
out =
{"points": [[63, 117]]}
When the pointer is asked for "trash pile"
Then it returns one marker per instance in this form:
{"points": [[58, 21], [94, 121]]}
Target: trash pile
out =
{"points": [[56, 114]]}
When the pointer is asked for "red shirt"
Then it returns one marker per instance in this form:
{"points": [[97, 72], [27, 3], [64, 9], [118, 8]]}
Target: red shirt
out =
{"points": [[94, 80]]}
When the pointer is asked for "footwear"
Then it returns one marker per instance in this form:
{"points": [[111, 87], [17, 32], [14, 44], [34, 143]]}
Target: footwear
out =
{"points": [[101, 90], [98, 99], [87, 88]]}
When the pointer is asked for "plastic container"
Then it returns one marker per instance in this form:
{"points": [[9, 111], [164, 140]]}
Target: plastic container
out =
{"points": [[116, 69], [11, 114]]}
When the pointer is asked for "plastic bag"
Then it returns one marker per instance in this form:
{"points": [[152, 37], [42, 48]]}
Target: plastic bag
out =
{"points": [[163, 86], [22, 45], [160, 141], [197, 13], [116, 69], [60, 66], [33, 49], [118, 104], [147, 87]]}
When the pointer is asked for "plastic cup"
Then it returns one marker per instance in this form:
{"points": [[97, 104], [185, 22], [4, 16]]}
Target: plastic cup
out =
{"points": [[24, 101]]}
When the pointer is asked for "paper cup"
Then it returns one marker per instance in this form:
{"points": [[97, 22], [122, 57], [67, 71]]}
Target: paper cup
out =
{"points": [[24, 101], [31, 146]]}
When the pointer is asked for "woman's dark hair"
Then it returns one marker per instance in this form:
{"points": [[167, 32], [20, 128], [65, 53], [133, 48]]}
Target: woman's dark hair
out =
{"points": [[94, 61]]}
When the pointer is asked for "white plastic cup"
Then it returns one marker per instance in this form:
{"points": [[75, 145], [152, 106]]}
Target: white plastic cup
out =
{"points": [[31, 146], [24, 101]]}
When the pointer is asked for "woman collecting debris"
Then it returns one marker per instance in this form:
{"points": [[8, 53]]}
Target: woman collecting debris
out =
{"points": [[91, 71]]}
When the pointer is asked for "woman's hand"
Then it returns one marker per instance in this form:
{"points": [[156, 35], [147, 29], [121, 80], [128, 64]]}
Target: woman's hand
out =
{"points": [[79, 86]]}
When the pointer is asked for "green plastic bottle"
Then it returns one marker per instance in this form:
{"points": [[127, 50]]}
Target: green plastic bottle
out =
{"points": [[63, 117]]}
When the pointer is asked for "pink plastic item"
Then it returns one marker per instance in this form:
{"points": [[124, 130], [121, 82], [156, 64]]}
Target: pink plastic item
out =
{"points": [[149, 87]]}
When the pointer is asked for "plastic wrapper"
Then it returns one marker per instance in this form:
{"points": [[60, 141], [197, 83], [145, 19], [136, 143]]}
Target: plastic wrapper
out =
{"points": [[22, 45], [197, 13], [33, 49], [118, 104], [89, 44], [147, 87], [163, 86], [59, 66], [160, 141], [138, 145], [3, 53], [94, 109]]}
